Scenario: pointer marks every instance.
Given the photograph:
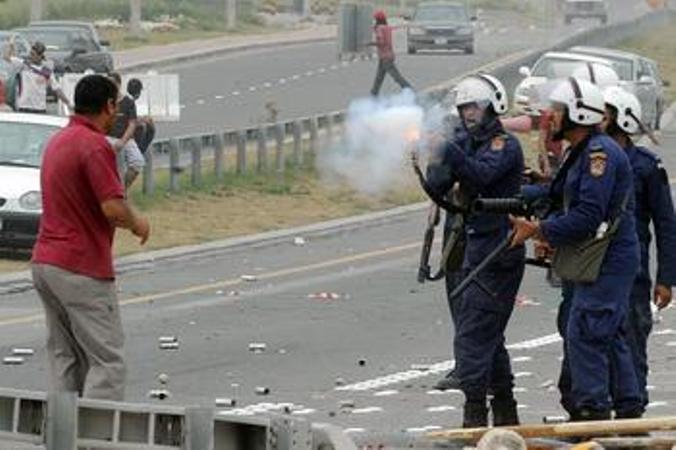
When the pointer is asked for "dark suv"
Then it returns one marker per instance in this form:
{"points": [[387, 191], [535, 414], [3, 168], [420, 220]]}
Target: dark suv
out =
{"points": [[72, 48], [441, 26]]}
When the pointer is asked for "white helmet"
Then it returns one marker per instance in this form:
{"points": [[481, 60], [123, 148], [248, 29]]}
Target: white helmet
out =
{"points": [[482, 88], [600, 74], [628, 108], [584, 101]]}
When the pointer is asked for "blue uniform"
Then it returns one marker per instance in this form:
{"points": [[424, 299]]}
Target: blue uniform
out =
{"points": [[595, 185], [491, 167]]}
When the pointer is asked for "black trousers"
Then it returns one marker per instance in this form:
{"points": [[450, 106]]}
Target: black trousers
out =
{"points": [[385, 67]]}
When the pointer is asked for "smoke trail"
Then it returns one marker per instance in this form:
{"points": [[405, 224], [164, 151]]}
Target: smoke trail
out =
{"points": [[374, 154]]}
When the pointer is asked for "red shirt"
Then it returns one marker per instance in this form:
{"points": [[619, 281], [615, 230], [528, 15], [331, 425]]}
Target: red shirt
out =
{"points": [[384, 42], [79, 172]]}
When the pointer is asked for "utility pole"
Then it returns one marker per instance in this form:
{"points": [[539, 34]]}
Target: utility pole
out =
{"points": [[37, 9], [230, 14], [135, 16]]}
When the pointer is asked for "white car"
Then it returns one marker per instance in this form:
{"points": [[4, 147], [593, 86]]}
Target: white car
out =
{"points": [[22, 142], [550, 66]]}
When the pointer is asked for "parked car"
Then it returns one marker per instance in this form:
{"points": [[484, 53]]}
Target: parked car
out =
{"points": [[71, 48], [550, 66], [584, 9], [87, 27], [441, 26], [639, 75], [22, 141]]}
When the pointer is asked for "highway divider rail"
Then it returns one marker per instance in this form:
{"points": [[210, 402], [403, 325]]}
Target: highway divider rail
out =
{"points": [[294, 142]]}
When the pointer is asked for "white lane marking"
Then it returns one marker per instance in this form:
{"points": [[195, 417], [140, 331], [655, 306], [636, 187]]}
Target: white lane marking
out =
{"points": [[309, 73], [322, 70], [334, 67], [521, 359], [219, 97], [447, 392], [523, 374], [650, 387], [665, 332], [260, 408], [200, 101], [282, 81], [303, 412], [519, 390], [671, 344], [182, 106], [354, 430], [440, 367], [235, 93], [267, 84], [367, 410], [521, 406], [441, 408], [657, 404], [385, 393], [425, 429], [295, 77], [252, 89]]}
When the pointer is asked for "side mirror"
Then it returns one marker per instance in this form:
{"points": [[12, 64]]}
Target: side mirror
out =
{"points": [[79, 51], [104, 43], [646, 79], [524, 71]]}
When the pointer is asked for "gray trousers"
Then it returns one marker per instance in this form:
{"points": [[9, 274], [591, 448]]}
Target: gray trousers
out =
{"points": [[385, 67], [84, 333]]}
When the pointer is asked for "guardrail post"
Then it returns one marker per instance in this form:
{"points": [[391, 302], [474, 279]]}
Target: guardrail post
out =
{"points": [[174, 166], [314, 135], [149, 171], [329, 129], [219, 156], [196, 166], [241, 152], [199, 428], [280, 133], [262, 153], [298, 143], [61, 420]]}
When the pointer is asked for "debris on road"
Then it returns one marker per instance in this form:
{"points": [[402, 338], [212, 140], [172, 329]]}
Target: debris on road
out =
{"points": [[361, 362], [326, 296], [23, 352], [522, 300], [554, 419], [344, 404], [261, 390], [257, 347], [340, 381], [159, 394], [249, 278], [163, 378], [13, 360], [167, 339], [225, 402], [299, 241]]}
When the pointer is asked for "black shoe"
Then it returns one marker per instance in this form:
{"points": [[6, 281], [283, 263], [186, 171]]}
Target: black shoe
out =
{"points": [[631, 414], [504, 412], [475, 415], [450, 381]]}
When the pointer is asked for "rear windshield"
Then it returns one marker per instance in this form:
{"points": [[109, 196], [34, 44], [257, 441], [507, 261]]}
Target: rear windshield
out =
{"points": [[552, 68]]}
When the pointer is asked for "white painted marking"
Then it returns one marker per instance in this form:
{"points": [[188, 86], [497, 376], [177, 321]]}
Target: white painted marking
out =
{"points": [[441, 367], [441, 408], [295, 77], [447, 392], [665, 332], [367, 410], [309, 73], [182, 106], [657, 404], [322, 70], [521, 406], [261, 408], [334, 67], [303, 412], [520, 390], [200, 101], [523, 374], [521, 359], [219, 97], [386, 393], [354, 430], [282, 81], [267, 84], [650, 387], [671, 344], [235, 93]]}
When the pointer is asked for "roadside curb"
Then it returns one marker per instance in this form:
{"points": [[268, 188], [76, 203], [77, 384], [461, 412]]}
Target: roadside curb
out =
{"points": [[225, 50]]}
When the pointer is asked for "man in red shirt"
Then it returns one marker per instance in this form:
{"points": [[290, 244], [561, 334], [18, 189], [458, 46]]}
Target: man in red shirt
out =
{"points": [[383, 43], [83, 202]]}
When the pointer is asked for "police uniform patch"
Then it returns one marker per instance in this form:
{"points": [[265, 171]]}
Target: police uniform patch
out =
{"points": [[597, 164], [498, 143]]}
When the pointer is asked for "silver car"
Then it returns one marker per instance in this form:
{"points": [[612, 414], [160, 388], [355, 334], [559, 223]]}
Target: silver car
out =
{"points": [[441, 26], [638, 75]]}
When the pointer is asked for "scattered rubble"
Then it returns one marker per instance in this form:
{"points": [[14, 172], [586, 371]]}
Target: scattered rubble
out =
{"points": [[261, 390], [257, 347], [159, 394], [225, 402]]}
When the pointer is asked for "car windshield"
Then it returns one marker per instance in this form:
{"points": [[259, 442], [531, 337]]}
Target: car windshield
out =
{"points": [[553, 68], [23, 143], [61, 40], [441, 13], [624, 67]]}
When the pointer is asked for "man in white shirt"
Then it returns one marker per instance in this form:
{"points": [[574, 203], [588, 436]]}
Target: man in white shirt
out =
{"points": [[34, 77]]}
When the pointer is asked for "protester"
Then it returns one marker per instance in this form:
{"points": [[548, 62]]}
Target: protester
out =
{"points": [[83, 203], [383, 43]]}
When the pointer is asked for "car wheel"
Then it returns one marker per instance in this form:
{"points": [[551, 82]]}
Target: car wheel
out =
{"points": [[469, 50], [412, 50]]}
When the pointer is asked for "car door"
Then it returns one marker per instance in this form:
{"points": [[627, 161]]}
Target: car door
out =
{"points": [[646, 91]]}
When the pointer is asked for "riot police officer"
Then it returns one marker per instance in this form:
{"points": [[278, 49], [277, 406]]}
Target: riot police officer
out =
{"points": [[596, 189], [653, 203], [485, 161]]}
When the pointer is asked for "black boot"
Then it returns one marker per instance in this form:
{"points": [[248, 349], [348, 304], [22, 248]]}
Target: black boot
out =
{"points": [[504, 412], [475, 415], [450, 381]]}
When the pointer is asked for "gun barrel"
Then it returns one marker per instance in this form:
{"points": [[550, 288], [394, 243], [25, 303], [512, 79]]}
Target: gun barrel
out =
{"points": [[514, 206]]}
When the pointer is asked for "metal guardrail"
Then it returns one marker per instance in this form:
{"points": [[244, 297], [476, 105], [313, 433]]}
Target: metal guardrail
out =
{"points": [[248, 150], [62, 421]]}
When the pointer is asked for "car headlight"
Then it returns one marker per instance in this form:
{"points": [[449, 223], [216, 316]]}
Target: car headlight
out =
{"points": [[416, 31], [31, 200]]}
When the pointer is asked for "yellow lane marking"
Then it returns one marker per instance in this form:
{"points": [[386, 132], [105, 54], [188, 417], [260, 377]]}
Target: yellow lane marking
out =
{"points": [[235, 281]]}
